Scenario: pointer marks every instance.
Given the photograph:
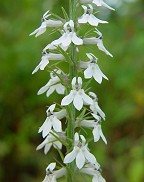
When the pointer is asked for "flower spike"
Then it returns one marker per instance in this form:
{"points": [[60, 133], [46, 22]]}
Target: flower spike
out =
{"points": [[78, 110]]}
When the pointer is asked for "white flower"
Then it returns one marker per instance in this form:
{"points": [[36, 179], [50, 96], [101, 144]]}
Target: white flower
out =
{"points": [[102, 3], [46, 23], [52, 175], [50, 141], [97, 131], [95, 107], [88, 17], [77, 95], [68, 36], [52, 121], [53, 85], [96, 125], [53, 47], [80, 153], [93, 69], [45, 60], [97, 40], [91, 170]]}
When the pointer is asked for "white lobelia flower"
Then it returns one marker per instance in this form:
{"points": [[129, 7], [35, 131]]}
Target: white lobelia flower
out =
{"points": [[51, 175], [97, 40], [98, 3], [46, 23], [46, 57], [96, 125], [88, 17], [52, 121], [54, 47], [102, 3], [80, 153], [91, 170], [68, 36], [77, 95], [97, 131], [93, 69], [95, 107], [53, 84], [50, 141]]}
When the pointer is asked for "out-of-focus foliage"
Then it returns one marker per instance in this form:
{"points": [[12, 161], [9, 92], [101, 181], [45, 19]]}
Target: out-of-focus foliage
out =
{"points": [[121, 98]]}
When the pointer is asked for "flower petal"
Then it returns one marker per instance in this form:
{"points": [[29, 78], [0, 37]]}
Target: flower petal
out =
{"points": [[42, 144], [101, 179], [78, 102], [90, 157], [97, 73], [102, 48], [68, 99], [44, 62], [57, 144], [66, 40], [45, 128], [60, 89], [80, 159], [96, 134], [51, 166], [102, 135], [57, 126], [47, 148], [36, 69], [43, 89], [88, 72], [95, 178], [82, 19], [51, 108], [76, 40], [70, 156], [93, 20], [76, 139], [86, 98], [50, 91]]}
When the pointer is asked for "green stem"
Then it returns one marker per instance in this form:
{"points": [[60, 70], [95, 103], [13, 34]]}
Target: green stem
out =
{"points": [[72, 8], [71, 109]]}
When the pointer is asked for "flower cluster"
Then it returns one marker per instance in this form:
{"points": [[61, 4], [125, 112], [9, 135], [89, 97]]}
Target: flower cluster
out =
{"points": [[77, 101]]}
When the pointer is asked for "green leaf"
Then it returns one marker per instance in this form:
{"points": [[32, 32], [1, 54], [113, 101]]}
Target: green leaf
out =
{"points": [[65, 14], [58, 17], [64, 53], [87, 84], [60, 153], [58, 138]]}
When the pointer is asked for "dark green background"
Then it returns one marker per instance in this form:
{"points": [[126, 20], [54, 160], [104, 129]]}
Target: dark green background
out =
{"points": [[121, 98]]}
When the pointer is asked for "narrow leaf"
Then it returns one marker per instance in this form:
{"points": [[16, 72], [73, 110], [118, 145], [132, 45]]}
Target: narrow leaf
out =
{"points": [[65, 14]]}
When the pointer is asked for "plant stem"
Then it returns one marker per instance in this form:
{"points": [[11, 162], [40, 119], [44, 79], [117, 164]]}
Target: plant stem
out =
{"points": [[71, 119]]}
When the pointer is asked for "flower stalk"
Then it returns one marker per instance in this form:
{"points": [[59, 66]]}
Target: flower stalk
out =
{"points": [[79, 108]]}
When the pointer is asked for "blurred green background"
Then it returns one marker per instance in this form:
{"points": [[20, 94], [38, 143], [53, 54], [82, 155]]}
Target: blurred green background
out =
{"points": [[121, 98]]}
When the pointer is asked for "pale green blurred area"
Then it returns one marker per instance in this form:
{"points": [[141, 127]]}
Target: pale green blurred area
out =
{"points": [[121, 98]]}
